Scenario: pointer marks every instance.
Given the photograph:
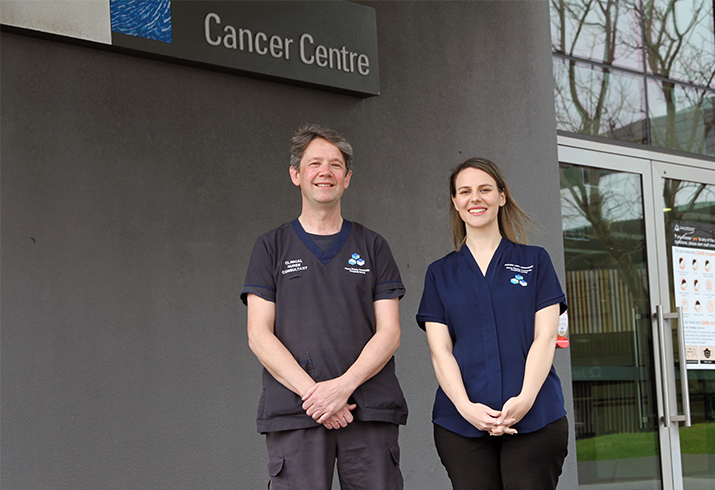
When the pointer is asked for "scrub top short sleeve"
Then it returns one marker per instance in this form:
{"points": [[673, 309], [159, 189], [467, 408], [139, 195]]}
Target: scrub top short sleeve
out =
{"points": [[388, 283], [260, 276]]}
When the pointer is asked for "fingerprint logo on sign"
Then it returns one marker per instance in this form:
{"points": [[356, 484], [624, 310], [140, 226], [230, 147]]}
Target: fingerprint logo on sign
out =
{"points": [[150, 19]]}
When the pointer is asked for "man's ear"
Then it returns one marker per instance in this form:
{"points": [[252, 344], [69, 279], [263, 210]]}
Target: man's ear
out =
{"points": [[294, 175], [346, 182]]}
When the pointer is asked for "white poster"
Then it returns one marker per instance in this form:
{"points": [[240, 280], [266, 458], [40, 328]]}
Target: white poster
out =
{"points": [[693, 276]]}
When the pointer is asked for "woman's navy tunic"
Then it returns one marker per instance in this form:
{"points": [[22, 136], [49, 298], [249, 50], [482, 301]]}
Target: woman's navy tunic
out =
{"points": [[491, 322]]}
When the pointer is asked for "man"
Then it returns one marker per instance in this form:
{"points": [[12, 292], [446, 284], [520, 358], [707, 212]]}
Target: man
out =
{"points": [[323, 319]]}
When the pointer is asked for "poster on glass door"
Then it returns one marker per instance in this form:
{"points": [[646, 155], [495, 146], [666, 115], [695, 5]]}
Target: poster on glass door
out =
{"points": [[693, 276]]}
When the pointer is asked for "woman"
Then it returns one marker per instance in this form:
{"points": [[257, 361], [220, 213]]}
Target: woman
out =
{"points": [[491, 311]]}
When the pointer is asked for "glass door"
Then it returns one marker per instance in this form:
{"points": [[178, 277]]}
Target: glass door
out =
{"points": [[686, 319], [639, 242], [614, 369]]}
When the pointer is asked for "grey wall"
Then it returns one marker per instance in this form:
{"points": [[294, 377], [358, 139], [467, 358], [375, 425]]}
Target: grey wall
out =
{"points": [[133, 190]]}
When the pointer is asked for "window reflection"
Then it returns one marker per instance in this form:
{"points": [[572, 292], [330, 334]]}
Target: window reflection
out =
{"points": [[680, 40], [682, 118], [599, 102], [603, 30], [688, 201], [607, 52]]}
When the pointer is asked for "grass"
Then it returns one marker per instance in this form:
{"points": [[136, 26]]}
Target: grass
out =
{"points": [[698, 439]]}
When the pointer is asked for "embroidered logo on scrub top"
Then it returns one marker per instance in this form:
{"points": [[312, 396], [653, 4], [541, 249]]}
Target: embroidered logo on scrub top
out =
{"points": [[521, 271], [356, 260]]}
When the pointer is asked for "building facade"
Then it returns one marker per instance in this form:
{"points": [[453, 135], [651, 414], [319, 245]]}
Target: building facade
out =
{"points": [[133, 188]]}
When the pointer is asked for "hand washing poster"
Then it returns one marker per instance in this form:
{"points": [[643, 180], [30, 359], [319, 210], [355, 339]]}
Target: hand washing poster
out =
{"points": [[693, 275]]}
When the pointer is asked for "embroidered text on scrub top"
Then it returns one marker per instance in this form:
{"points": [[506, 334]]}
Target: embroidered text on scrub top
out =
{"points": [[294, 265]]}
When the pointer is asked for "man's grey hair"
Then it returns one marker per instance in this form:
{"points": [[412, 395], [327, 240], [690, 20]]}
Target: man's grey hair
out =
{"points": [[307, 133]]}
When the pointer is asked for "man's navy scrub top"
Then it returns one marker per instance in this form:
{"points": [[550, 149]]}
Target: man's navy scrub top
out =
{"points": [[325, 315], [491, 322]]}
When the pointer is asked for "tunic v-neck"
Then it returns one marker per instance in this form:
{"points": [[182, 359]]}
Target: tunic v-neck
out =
{"points": [[494, 259]]}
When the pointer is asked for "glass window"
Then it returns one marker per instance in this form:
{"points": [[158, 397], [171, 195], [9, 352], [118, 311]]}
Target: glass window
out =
{"points": [[682, 118], [598, 101], [608, 52], [601, 30], [680, 40]]}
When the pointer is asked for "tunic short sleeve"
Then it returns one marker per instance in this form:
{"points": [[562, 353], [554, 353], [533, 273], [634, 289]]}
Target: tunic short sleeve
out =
{"points": [[549, 290], [431, 308]]}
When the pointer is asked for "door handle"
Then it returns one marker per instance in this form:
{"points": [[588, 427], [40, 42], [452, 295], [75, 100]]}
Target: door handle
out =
{"points": [[684, 388], [659, 316], [665, 363]]}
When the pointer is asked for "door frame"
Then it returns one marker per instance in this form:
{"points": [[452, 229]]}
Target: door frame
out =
{"points": [[652, 166]]}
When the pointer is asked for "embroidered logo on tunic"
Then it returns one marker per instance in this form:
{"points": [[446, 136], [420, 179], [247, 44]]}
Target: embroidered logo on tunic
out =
{"points": [[356, 260], [518, 279], [520, 271]]}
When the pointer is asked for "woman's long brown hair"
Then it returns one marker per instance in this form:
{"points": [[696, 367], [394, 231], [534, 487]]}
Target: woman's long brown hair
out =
{"points": [[513, 221]]}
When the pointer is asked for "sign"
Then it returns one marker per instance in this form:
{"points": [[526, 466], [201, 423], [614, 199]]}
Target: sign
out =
{"points": [[693, 252], [562, 339], [326, 44]]}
